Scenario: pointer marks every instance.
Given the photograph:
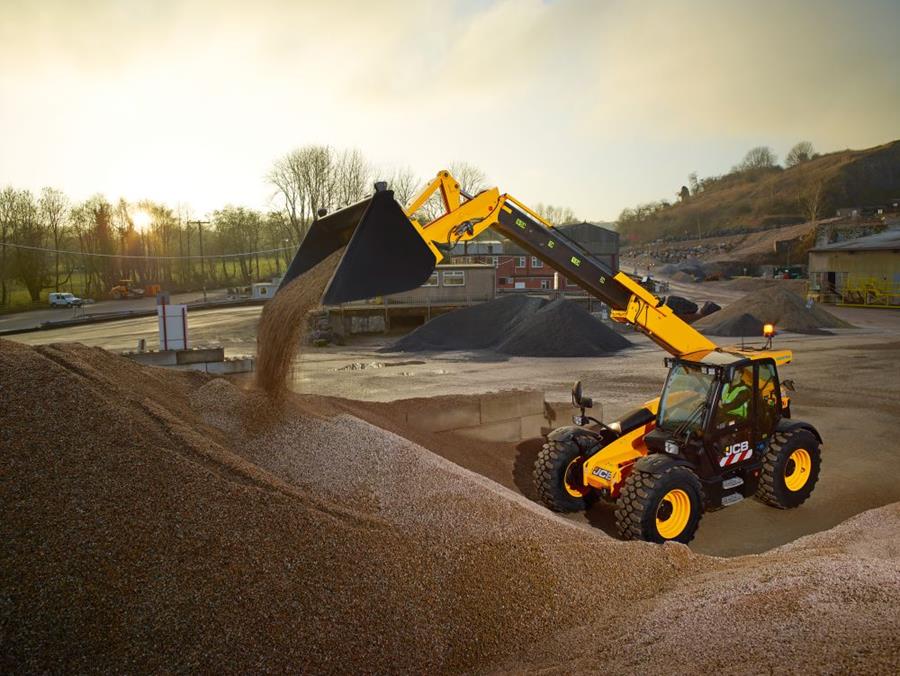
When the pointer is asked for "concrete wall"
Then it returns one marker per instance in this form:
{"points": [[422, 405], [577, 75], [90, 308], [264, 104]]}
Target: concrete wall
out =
{"points": [[498, 416]]}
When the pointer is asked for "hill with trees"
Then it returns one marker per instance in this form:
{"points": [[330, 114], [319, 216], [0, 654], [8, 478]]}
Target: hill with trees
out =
{"points": [[759, 193]]}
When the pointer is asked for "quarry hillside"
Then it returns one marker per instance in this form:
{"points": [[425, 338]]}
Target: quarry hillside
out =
{"points": [[750, 200]]}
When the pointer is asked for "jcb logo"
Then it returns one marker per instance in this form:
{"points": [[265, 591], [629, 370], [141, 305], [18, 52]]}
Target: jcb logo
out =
{"points": [[741, 447]]}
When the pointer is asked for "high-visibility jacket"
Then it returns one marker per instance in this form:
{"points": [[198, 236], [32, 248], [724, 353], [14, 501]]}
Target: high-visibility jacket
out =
{"points": [[731, 395]]}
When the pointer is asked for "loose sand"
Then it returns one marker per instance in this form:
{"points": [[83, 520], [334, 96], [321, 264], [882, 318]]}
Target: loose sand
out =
{"points": [[153, 531], [284, 323]]}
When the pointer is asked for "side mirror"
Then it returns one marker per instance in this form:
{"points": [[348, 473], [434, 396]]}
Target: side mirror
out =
{"points": [[788, 385], [578, 399], [576, 394]]}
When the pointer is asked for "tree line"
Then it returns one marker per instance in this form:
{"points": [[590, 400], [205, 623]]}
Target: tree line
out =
{"points": [[49, 243]]}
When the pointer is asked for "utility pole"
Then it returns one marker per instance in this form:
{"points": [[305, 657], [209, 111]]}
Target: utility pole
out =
{"points": [[200, 225]]}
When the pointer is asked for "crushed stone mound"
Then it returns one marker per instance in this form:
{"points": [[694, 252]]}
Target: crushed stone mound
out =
{"points": [[478, 327], [516, 325], [562, 329], [743, 325], [776, 305], [159, 528]]}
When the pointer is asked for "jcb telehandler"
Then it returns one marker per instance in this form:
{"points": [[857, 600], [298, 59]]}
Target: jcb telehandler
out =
{"points": [[720, 431]]}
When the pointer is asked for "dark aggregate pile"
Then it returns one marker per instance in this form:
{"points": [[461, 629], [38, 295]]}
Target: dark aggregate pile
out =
{"points": [[775, 305], [516, 325], [742, 325], [562, 329]]}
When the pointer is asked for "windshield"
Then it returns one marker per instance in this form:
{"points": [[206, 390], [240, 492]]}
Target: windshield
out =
{"points": [[687, 388]]}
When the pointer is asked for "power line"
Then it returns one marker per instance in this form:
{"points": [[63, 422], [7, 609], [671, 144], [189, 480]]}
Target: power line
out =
{"points": [[146, 257]]}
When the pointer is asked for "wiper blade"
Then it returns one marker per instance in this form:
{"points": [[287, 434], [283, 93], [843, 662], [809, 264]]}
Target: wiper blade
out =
{"points": [[691, 419]]}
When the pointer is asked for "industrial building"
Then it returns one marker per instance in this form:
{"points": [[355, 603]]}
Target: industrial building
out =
{"points": [[863, 271]]}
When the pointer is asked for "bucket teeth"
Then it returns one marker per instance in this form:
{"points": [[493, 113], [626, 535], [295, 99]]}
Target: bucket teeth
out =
{"points": [[385, 253]]}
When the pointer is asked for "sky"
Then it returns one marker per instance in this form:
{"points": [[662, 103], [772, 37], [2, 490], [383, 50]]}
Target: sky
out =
{"points": [[592, 105]]}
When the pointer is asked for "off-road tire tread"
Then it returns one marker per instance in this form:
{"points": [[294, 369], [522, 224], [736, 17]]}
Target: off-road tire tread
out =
{"points": [[551, 493], [635, 497], [766, 491]]}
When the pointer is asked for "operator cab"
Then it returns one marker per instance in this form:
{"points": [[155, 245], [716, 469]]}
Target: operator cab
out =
{"points": [[719, 414]]}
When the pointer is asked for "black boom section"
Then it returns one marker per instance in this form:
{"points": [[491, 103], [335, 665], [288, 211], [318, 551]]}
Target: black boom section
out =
{"points": [[563, 255]]}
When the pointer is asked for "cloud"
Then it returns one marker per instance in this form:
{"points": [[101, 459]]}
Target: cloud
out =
{"points": [[595, 105]]}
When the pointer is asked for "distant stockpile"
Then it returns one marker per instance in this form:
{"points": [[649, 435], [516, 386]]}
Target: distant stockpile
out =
{"points": [[775, 305], [516, 325]]}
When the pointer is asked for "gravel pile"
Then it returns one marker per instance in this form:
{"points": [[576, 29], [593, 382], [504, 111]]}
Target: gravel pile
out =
{"points": [[776, 305], [562, 329], [178, 523], [516, 325], [478, 327]]}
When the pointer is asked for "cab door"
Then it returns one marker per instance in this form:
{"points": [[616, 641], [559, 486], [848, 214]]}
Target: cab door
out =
{"points": [[732, 440], [766, 403]]}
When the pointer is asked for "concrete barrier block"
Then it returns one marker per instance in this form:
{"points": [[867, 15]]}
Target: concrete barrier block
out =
{"points": [[161, 358], [515, 404], [533, 425], [207, 354], [503, 430], [442, 419]]}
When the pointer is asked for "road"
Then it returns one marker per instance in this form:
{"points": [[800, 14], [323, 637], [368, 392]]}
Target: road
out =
{"points": [[33, 318]]}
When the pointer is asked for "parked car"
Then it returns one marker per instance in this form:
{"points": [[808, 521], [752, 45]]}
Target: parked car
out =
{"points": [[64, 300]]}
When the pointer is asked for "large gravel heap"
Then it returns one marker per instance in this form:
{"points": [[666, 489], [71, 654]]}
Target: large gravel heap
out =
{"points": [[516, 325], [776, 305], [170, 521]]}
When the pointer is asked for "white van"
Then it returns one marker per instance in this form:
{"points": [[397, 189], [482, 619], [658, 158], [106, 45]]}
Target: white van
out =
{"points": [[64, 300]]}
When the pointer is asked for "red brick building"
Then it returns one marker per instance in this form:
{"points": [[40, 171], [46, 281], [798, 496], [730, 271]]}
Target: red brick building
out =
{"points": [[519, 270]]}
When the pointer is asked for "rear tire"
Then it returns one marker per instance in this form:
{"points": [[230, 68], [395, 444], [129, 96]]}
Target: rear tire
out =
{"points": [[790, 469], [558, 478], [660, 506]]}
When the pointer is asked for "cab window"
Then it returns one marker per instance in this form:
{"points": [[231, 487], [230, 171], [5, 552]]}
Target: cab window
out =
{"points": [[767, 398], [686, 390], [735, 400]]}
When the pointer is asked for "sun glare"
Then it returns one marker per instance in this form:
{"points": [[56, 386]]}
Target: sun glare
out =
{"points": [[141, 220]]}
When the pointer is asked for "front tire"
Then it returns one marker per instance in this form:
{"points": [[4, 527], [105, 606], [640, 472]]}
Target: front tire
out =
{"points": [[558, 477], [660, 506], [790, 469]]}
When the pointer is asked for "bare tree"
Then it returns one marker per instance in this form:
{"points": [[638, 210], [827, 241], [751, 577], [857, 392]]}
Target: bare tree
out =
{"points": [[29, 231], [801, 152], [694, 183], [7, 215], [555, 215], [405, 185], [285, 176], [761, 157], [812, 200], [352, 177], [53, 207], [472, 180]]}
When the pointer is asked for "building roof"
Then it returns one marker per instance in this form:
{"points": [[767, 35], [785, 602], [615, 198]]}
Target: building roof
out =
{"points": [[889, 239]]}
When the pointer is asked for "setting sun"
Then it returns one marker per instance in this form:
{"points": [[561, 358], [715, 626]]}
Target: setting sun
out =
{"points": [[141, 220]]}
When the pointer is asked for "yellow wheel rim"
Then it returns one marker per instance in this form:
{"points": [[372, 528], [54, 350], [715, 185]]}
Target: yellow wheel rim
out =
{"points": [[572, 479], [673, 513], [797, 469]]}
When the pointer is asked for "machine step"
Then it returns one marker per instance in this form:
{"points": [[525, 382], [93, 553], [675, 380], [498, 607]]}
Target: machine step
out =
{"points": [[732, 482], [731, 498]]}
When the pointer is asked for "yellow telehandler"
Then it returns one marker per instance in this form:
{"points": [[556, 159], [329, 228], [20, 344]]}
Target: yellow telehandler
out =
{"points": [[720, 431]]}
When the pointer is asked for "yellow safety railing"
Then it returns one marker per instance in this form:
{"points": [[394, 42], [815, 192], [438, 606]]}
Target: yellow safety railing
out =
{"points": [[870, 292]]}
